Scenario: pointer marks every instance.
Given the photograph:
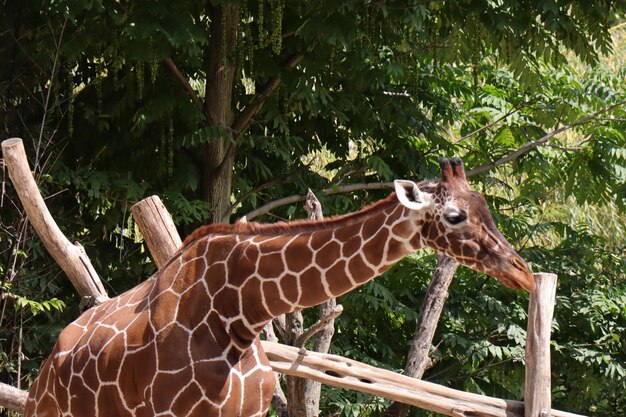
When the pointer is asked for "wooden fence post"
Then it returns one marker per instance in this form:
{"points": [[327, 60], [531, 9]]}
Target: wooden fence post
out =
{"points": [[158, 229], [538, 392]]}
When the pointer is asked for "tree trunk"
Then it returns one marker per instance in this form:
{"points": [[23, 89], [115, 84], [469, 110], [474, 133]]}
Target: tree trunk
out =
{"points": [[217, 176], [218, 155], [296, 387]]}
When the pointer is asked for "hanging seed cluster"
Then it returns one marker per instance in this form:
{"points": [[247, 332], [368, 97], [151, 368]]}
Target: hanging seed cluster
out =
{"points": [[166, 147], [170, 154], [139, 75], [154, 69], [260, 22], [370, 26], [98, 85], [278, 10], [70, 104], [272, 35]]}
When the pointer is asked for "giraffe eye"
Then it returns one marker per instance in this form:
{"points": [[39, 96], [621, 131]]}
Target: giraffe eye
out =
{"points": [[455, 217]]}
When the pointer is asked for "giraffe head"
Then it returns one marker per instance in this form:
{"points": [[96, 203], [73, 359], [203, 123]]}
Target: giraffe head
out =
{"points": [[457, 222]]}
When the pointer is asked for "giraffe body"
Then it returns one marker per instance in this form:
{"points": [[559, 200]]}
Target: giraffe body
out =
{"points": [[185, 342]]}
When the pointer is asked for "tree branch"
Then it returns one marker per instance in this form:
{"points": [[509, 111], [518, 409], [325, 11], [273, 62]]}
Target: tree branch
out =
{"points": [[288, 177], [48, 95], [243, 121], [493, 123], [328, 191], [320, 325], [479, 170], [540, 142], [169, 63]]}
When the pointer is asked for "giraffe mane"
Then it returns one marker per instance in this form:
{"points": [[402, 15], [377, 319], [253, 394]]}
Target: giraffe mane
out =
{"points": [[296, 226]]}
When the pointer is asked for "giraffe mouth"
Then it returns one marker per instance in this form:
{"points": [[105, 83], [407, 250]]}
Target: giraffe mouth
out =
{"points": [[517, 275], [514, 285]]}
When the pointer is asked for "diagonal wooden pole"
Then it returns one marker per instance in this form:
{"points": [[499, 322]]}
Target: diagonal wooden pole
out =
{"points": [[71, 257]]}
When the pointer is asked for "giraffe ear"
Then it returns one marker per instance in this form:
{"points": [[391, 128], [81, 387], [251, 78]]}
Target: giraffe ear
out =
{"points": [[410, 195]]}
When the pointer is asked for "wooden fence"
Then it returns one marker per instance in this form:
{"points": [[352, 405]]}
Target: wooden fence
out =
{"points": [[163, 240]]}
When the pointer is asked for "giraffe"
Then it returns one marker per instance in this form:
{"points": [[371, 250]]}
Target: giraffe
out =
{"points": [[186, 341]]}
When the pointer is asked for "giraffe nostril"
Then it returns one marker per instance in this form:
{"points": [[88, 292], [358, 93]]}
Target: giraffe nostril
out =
{"points": [[518, 263]]}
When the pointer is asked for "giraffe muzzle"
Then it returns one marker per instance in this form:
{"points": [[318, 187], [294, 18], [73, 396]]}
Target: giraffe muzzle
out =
{"points": [[517, 274]]}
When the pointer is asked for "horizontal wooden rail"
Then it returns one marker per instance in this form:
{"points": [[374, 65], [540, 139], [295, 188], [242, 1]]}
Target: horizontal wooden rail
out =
{"points": [[347, 373], [12, 398]]}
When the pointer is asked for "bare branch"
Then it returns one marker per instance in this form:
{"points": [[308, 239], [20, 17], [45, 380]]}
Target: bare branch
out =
{"points": [[493, 123], [418, 359], [320, 325], [169, 63], [281, 326], [243, 121], [313, 206], [479, 170], [276, 181], [540, 142], [328, 191], [48, 94]]}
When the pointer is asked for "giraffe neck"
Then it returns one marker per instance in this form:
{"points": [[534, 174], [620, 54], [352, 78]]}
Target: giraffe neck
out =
{"points": [[259, 274]]}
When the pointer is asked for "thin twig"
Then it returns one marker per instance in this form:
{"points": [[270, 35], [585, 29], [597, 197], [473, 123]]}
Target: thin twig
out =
{"points": [[318, 326], [540, 142], [331, 190], [276, 181], [245, 117], [490, 125], [48, 94], [169, 63]]}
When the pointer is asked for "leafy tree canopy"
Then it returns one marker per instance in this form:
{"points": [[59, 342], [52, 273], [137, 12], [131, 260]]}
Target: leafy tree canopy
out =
{"points": [[223, 106]]}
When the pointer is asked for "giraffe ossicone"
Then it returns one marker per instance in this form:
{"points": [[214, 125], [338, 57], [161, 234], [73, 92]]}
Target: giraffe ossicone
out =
{"points": [[186, 341]]}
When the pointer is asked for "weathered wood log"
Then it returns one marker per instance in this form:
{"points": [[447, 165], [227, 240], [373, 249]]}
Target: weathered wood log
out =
{"points": [[537, 390], [12, 398], [71, 258], [158, 229], [341, 372], [346, 373]]}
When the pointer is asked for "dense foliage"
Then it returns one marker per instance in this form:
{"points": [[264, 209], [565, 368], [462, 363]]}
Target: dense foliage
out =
{"points": [[220, 107]]}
